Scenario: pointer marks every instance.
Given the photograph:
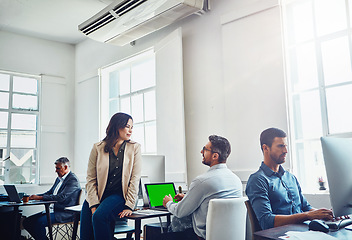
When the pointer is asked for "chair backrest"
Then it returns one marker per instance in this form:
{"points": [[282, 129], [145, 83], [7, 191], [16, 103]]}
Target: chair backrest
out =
{"points": [[78, 194], [226, 219], [255, 226]]}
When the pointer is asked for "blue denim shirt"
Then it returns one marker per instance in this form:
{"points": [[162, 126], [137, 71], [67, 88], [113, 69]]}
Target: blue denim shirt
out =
{"points": [[274, 193]]}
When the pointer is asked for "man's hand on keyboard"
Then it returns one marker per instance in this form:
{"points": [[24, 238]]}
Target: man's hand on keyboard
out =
{"points": [[322, 213]]}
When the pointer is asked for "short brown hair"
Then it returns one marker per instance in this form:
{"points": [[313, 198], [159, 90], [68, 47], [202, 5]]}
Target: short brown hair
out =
{"points": [[268, 135]]}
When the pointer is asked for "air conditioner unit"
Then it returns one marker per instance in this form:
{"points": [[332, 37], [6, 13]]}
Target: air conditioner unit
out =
{"points": [[124, 21]]}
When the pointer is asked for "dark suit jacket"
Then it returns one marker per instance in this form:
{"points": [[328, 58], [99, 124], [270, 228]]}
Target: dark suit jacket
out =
{"points": [[67, 196]]}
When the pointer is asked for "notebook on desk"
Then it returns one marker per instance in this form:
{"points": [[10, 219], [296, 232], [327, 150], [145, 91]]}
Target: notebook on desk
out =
{"points": [[12, 193], [156, 193]]}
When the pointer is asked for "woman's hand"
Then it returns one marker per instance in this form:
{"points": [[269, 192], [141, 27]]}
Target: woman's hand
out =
{"points": [[93, 210], [125, 212]]}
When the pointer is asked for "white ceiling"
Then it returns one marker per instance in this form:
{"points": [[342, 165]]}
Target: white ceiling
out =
{"points": [[55, 20]]}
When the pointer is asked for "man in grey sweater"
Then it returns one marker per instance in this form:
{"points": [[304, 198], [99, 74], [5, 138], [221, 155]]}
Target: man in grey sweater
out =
{"points": [[217, 182]]}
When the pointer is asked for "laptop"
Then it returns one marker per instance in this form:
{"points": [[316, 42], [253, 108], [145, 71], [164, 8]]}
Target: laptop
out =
{"points": [[156, 193], [12, 193]]}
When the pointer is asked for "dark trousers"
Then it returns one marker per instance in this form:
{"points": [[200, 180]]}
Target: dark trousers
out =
{"points": [[100, 225], [153, 232], [36, 224]]}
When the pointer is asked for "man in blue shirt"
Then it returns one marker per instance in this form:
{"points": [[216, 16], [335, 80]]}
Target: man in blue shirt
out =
{"points": [[274, 193]]}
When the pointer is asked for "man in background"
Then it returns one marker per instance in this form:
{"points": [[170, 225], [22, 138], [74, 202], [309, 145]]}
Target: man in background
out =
{"points": [[217, 182], [65, 191], [274, 193]]}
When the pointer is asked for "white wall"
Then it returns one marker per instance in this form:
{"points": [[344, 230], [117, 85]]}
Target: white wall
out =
{"points": [[55, 62], [254, 85]]}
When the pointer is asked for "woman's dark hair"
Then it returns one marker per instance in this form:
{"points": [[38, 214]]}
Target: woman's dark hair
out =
{"points": [[118, 120]]}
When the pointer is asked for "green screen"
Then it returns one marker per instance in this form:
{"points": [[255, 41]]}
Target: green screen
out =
{"points": [[157, 193]]}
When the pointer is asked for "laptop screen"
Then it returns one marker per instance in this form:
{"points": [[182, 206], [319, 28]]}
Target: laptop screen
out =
{"points": [[157, 191], [12, 193]]}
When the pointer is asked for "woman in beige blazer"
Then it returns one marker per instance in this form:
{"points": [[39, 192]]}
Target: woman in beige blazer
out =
{"points": [[113, 176]]}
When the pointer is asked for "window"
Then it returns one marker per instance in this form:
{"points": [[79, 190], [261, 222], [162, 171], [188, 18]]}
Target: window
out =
{"points": [[129, 87], [19, 116], [319, 79]]}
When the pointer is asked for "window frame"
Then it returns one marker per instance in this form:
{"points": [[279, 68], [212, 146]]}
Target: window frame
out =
{"points": [[104, 90], [321, 88], [10, 111]]}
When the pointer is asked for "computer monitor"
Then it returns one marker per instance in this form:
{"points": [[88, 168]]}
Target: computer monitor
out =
{"points": [[153, 171], [153, 168], [338, 164]]}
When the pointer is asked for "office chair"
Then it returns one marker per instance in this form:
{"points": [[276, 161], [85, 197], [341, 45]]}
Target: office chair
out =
{"points": [[255, 226], [226, 219], [121, 227], [64, 230]]}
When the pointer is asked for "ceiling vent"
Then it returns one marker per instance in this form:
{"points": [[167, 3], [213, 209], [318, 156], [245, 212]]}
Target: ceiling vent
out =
{"points": [[124, 21]]}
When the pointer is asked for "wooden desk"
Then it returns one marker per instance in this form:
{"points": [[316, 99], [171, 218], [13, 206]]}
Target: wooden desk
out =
{"points": [[30, 203], [138, 219], [275, 233]]}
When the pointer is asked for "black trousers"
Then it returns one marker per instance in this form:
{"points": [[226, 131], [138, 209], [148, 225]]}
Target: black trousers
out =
{"points": [[153, 232]]}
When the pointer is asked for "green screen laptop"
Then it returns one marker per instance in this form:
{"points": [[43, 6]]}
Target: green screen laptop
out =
{"points": [[156, 193]]}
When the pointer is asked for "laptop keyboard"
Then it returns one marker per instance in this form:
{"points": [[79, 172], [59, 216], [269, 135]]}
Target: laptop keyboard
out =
{"points": [[148, 212]]}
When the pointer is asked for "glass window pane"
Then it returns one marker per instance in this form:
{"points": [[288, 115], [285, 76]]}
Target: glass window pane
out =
{"points": [[301, 22], [311, 165], [21, 166], [137, 108], [113, 84], [19, 175], [350, 10], [143, 75], [336, 61], [3, 119], [138, 135], [3, 139], [150, 136], [22, 139], [330, 16], [4, 100], [339, 114], [307, 114], [150, 106], [3, 153], [125, 106], [25, 85], [22, 157], [113, 107], [305, 76], [25, 102], [125, 83], [24, 121], [4, 82]]}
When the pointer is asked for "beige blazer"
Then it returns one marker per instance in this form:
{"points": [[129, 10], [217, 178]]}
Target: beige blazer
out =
{"points": [[98, 168]]}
